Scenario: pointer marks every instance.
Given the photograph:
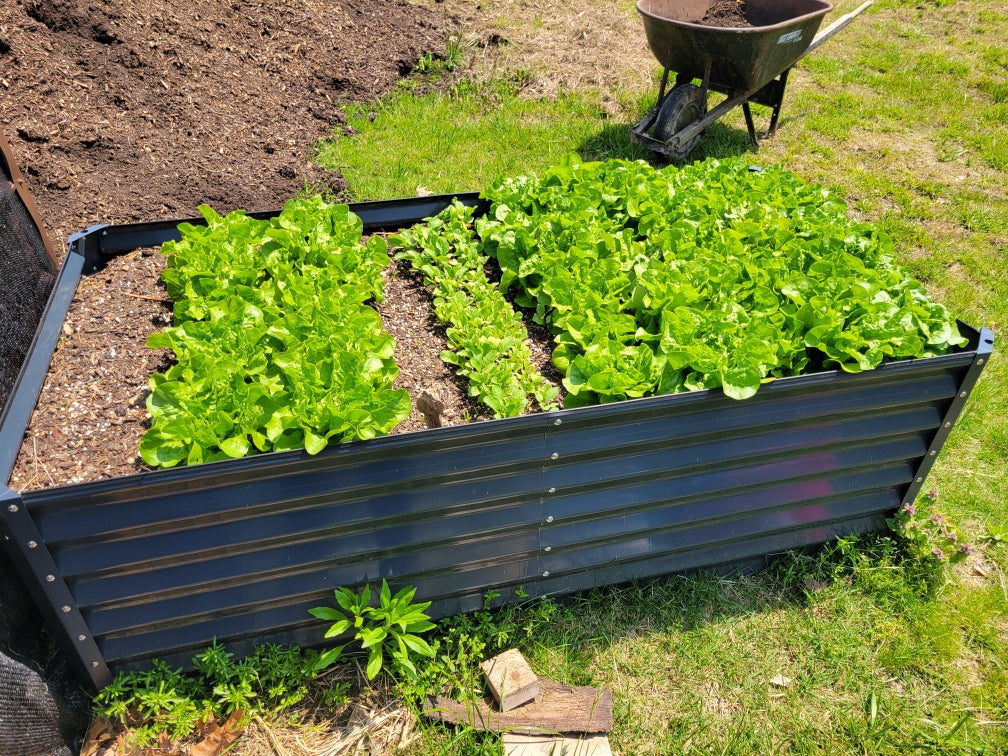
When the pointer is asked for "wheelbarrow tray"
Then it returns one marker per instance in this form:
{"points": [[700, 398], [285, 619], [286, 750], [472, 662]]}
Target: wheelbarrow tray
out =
{"points": [[741, 59]]}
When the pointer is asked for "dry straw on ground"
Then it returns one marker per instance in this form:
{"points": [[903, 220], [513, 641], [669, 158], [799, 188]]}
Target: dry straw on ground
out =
{"points": [[555, 48], [385, 729]]}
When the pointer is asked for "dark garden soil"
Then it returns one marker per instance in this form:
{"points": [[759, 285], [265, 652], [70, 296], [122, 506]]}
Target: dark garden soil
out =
{"points": [[134, 111], [129, 110], [729, 14]]}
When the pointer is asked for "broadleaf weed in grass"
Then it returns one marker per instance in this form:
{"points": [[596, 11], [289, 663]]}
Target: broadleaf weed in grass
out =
{"points": [[933, 542], [454, 53], [388, 632], [994, 536], [462, 642]]}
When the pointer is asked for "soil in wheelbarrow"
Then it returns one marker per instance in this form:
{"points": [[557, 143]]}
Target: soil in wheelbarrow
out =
{"points": [[729, 14]]}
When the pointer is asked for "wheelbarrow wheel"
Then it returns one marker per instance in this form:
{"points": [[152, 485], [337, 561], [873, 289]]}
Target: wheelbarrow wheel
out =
{"points": [[684, 105]]}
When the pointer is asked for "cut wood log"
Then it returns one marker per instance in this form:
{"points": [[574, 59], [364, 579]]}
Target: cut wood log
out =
{"points": [[559, 708]]}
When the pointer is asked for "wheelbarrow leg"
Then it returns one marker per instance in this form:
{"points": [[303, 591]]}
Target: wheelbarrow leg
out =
{"points": [[749, 123], [777, 105], [681, 78], [771, 96], [664, 82]]}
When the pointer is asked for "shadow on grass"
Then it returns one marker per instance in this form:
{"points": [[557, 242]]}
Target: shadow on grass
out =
{"points": [[577, 625], [718, 141]]}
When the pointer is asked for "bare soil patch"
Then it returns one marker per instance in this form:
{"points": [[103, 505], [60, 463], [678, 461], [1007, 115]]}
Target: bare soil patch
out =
{"points": [[131, 110]]}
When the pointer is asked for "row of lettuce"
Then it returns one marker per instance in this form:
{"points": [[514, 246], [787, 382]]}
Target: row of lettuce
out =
{"points": [[651, 281], [277, 345]]}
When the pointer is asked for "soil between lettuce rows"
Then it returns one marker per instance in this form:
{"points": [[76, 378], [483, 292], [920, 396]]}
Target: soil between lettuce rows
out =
{"points": [[92, 411]]}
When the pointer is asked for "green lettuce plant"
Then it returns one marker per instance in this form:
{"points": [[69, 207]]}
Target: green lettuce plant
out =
{"points": [[488, 344], [716, 275], [276, 344]]}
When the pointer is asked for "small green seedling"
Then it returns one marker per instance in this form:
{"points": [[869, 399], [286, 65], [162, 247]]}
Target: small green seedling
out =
{"points": [[388, 631]]}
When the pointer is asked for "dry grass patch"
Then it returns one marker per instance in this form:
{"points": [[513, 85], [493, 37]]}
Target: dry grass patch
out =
{"points": [[555, 48]]}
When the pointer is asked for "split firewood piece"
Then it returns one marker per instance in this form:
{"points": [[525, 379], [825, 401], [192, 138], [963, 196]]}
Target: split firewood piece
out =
{"points": [[511, 679], [557, 708]]}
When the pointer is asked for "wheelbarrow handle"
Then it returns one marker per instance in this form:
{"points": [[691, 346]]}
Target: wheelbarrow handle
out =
{"points": [[837, 25]]}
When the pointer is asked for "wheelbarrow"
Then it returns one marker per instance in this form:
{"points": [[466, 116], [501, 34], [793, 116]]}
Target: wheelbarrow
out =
{"points": [[746, 65]]}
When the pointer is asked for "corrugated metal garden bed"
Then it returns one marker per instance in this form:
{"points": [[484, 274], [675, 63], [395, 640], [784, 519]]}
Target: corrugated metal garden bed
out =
{"points": [[159, 564]]}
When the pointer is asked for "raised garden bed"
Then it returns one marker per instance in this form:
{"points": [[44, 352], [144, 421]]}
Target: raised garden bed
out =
{"points": [[159, 563]]}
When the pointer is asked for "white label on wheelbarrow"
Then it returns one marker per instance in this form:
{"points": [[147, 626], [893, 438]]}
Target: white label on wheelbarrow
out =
{"points": [[794, 36]]}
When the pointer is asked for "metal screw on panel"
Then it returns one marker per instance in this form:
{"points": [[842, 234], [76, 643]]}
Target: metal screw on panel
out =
{"points": [[546, 574], [980, 361], [920, 480], [549, 519], [554, 455], [948, 425], [65, 609], [557, 421], [933, 452], [50, 578], [32, 544], [94, 664], [12, 508], [548, 548], [963, 394], [81, 637], [552, 489]]}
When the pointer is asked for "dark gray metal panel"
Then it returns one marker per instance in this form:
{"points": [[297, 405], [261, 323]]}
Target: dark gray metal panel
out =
{"points": [[170, 560], [33, 561], [15, 414], [665, 486], [161, 563], [746, 548]]}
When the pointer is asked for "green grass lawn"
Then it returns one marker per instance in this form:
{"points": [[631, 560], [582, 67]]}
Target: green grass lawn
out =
{"points": [[847, 650]]}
